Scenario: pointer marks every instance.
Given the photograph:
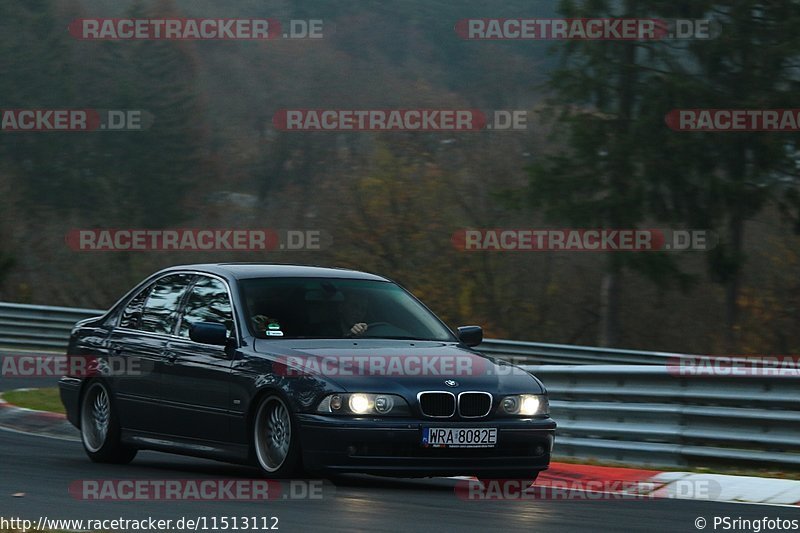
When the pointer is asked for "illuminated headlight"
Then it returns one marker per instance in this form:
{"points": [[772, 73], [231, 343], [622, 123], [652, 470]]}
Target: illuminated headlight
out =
{"points": [[525, 405], [529, 405], [359, 403]]}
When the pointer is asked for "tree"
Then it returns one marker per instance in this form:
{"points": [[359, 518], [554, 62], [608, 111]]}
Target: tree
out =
{"points": [[597, 178], [722, 180]]}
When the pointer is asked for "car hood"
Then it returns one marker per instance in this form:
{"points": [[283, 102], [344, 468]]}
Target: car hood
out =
{"points": [[394, 366]]}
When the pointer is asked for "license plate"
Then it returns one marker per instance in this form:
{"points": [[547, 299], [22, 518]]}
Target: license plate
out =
{"points": [[459, 437]]}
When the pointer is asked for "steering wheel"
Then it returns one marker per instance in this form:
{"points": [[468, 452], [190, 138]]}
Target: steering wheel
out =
{"points": [[376, 324], [371, 326]]}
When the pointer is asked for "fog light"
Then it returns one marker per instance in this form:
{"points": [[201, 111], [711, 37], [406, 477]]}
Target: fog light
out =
{"points": [[359, 403], [336, 403], [384, 404], [510, 405]]}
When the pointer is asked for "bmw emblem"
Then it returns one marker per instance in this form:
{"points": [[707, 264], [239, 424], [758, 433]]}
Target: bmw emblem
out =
{"points": [[451, 383]]}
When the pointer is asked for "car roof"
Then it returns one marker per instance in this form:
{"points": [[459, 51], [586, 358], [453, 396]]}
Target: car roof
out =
{"points": [[275, 270]]}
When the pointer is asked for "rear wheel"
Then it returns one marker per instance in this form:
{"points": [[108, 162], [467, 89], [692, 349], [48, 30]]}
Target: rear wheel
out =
{"points": [[276, 443], [100, 431]]}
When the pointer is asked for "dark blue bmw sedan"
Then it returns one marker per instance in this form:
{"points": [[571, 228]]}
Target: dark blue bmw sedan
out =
{"points": [[300, 369]]}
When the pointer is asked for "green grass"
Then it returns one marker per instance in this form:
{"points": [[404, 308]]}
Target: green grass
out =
{"points": [[37, 399]]}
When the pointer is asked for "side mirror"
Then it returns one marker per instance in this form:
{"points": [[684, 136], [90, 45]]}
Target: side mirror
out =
{"points": [[209, 333], [470, 335]]}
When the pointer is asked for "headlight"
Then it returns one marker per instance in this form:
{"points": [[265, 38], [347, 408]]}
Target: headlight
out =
{"points": [[359, 403], [525, 405]]}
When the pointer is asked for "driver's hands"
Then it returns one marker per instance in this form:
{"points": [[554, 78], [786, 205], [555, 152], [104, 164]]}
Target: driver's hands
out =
{"points": [[358, 329], [260, 322]]}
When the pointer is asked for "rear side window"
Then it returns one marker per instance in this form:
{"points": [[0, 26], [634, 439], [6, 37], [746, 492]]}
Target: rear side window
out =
{"points": [[207, 302], [160, 312], [132, 314]]}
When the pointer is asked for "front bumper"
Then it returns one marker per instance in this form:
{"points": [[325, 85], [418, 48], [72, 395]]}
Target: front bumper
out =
{"points": [[393, 447]]}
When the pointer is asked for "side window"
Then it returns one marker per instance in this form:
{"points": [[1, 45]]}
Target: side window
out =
{"points": [[208, 302], [132, 314], [161, 309]]}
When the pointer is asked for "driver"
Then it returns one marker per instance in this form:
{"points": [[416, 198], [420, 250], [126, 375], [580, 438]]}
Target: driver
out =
{"points": [[260, 322], [354, 311]]}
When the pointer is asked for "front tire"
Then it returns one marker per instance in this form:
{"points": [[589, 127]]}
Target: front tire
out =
{"points": [[275, 438], [100, 430]]}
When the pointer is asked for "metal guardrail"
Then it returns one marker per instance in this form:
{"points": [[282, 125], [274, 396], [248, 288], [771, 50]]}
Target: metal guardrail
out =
{"points": [[37, 327], [629, 408], [565, 354], [653, 415]]}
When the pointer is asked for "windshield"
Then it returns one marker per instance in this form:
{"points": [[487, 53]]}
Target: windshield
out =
{"points": [[314, 308]]}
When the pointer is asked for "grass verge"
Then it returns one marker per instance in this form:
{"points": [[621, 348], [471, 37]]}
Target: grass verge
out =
{"points": [[37, 399]]}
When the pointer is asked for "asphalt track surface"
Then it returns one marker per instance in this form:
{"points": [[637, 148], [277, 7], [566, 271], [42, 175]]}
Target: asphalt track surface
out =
{"points": [[43, 468]]}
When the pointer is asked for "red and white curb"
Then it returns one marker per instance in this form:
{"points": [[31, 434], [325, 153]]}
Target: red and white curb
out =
{"points": [[675, 485], [44, 423]]}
